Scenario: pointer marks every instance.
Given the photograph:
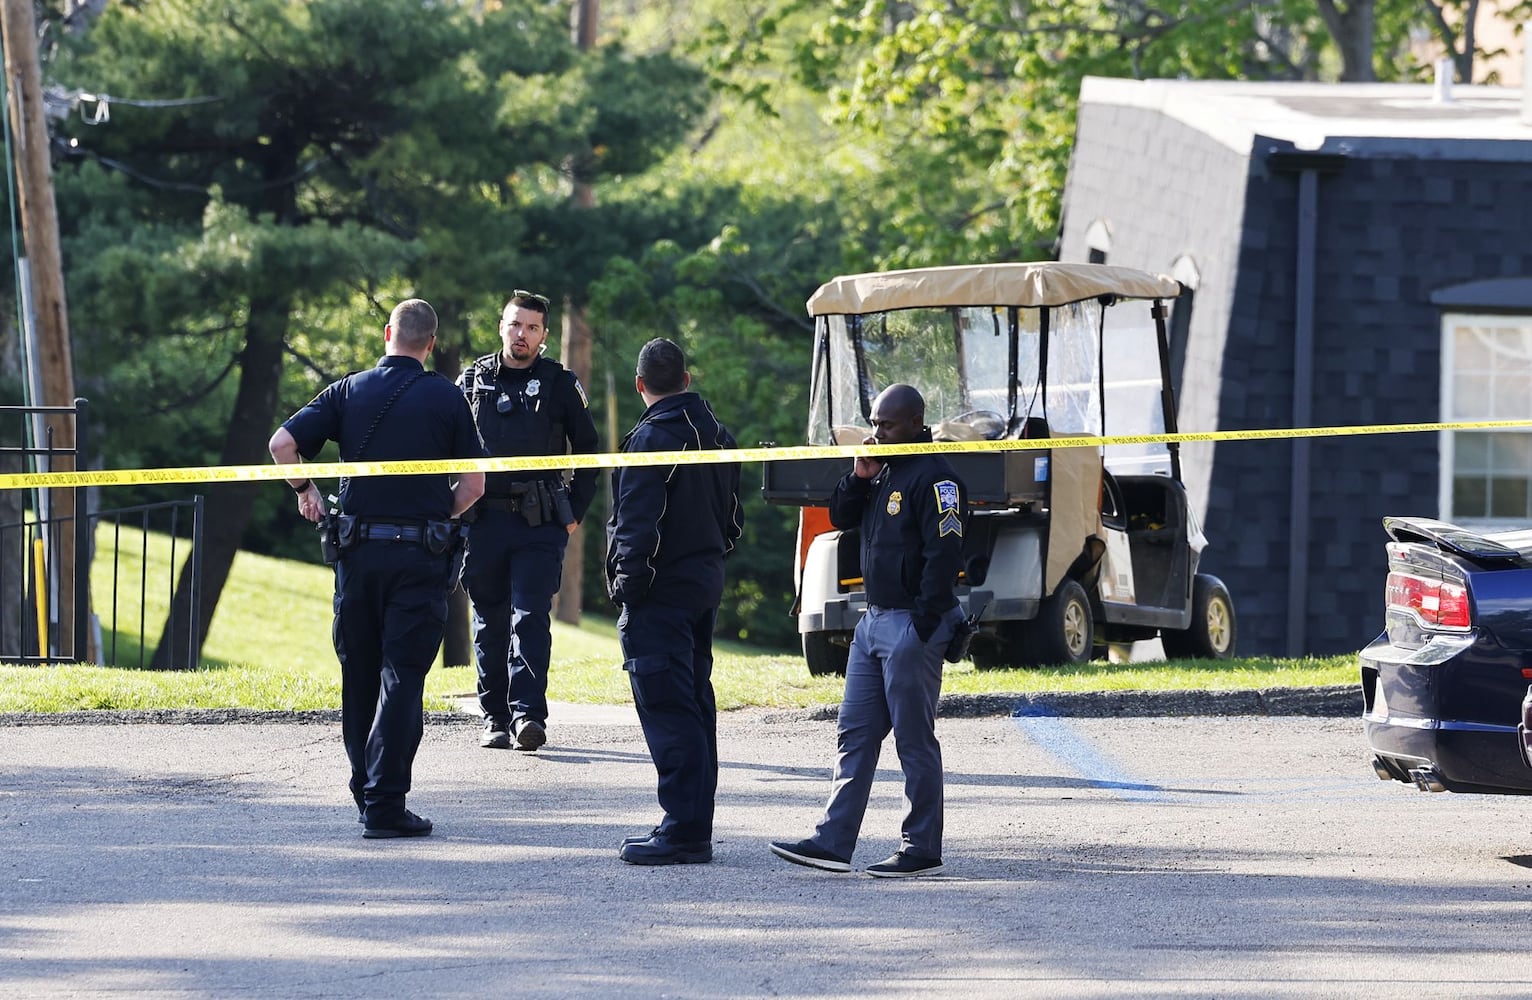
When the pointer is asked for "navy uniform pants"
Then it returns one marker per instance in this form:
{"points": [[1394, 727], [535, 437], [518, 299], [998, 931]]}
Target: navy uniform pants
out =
{"points": [[668, 654], [390, 614], [893, 681], [511, 572]]}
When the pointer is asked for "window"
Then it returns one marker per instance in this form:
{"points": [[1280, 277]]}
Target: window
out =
{"points": [[1486, 375], [1098, 241]]}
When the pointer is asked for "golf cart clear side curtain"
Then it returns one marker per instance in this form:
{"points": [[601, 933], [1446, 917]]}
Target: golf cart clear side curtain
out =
{"points": [[837, 407], [1131, 377], [1073, 401], [821, 414]]}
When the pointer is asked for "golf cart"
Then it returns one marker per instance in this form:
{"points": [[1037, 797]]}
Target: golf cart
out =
{"points": [[1068, 550]]}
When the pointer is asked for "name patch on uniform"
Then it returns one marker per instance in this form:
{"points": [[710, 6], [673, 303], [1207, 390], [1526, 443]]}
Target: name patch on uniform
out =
{"points": [[581, 390], [950, 522], [895, 502]]}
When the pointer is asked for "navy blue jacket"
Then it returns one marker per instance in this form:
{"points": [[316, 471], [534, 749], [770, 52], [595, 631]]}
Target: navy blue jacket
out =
{"points": [[911, 515], [672, 525], [429, 419]]}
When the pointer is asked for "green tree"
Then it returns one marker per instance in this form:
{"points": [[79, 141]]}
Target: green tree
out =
{"points": [[964, 109], [332, 155]]}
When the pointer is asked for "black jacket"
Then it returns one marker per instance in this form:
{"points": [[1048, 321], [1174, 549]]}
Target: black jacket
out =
{"points": [[541, 410], [911, 515], [672, 525]]}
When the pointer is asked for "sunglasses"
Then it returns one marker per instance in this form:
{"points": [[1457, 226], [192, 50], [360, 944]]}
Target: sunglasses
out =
{"points": [[522, 293]]}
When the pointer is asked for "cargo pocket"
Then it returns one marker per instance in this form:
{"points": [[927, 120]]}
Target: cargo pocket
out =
{"points": [[653, 680]]}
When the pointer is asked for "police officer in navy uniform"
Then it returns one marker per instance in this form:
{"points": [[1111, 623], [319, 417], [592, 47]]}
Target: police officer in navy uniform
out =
{"points": [[911, 510], [671, 528], [395, 537], [524, 404]]}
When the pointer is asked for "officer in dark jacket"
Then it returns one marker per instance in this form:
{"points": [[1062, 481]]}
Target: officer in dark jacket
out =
{"points": [[910, 510], [395, 560], [670, 529], [524, 404]]}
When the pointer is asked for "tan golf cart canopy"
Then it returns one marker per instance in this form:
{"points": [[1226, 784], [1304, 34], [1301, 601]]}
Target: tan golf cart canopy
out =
{"points": [[1039, 284]]}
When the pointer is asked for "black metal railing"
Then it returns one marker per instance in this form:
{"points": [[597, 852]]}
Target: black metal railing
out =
{"points": [[33, 629], [33, 576], [183, 637]]}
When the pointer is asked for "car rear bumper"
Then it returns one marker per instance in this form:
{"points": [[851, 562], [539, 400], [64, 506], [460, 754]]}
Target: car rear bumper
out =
{"points": [[1417, 719]]}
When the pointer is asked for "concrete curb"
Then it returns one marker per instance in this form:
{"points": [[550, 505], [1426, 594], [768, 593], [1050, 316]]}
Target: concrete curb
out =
{"points": [[1340, 701]]}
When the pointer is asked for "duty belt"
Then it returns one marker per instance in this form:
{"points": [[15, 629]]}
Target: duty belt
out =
{"points": [[517, 499], [385, 531]]}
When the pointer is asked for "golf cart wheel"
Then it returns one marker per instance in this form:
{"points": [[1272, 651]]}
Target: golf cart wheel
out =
{"points": [[823, 655], [1063, 631], [1212, 632]]}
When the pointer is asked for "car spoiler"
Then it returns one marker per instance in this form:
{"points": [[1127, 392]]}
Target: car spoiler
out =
{"points": [[1452, 538]]}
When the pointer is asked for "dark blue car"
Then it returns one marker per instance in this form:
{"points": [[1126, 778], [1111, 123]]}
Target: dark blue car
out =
{"points": [[1443, 686]]}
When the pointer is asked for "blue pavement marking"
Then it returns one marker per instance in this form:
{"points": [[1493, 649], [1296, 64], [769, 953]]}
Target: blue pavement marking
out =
{"points": [[1055, 736]]}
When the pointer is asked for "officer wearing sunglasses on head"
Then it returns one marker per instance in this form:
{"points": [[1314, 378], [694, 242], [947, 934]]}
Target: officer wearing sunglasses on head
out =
{"points": [[524, 404]]}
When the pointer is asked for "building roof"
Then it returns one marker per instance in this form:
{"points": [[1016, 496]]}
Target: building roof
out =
{"points": [[1329, 116]]}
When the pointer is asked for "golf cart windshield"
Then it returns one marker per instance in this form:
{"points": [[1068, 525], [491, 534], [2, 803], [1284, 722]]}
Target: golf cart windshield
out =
{"points": [[992, 372]]}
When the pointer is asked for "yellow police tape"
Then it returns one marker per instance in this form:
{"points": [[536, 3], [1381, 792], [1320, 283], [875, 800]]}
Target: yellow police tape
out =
{"points": [[316, 470]]}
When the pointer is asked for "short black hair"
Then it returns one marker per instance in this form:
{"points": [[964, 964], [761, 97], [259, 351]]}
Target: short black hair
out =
{"points": [[529, 300], [662, 366]]}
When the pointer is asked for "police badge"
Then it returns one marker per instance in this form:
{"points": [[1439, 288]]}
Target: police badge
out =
{"points": [[895, 500], [533, 386]]}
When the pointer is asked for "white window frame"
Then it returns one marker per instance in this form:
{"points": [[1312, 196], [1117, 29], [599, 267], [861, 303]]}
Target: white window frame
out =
{"points": [[1447, 440]]}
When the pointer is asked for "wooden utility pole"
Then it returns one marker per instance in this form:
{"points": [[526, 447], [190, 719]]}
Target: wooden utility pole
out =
{"points": [[40, 231], [575, 349]]}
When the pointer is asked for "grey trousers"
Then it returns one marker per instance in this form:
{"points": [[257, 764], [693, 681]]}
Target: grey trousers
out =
{"points": [[892, 682]]}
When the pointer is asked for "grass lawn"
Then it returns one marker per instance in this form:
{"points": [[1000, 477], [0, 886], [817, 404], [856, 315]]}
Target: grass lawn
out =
{"points": [[269, 649]]}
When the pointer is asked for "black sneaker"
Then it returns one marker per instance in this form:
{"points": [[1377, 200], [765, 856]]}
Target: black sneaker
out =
{"points": [[497, 735], [405, 825], [806, 852], [902, 865], [530, 735]]}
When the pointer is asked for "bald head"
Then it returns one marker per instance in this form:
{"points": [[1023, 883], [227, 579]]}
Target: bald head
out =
{"points": [[898, 414]]}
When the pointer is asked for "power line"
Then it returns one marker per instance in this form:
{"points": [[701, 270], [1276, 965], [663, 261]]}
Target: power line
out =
{"points": [[61, 102]]}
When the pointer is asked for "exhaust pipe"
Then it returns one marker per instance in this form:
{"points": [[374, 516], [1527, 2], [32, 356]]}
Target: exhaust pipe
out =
{"points": [[1427, 779]]}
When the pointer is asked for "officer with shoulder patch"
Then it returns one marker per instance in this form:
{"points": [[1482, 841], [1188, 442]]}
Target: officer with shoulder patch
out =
{"points": [[911, 510], [396, 542], [524, 404]]}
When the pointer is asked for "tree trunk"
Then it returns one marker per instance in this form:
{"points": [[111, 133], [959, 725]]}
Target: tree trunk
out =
{"points": [[229, 505], [1353, 31], [457, 643], [576, 348]]}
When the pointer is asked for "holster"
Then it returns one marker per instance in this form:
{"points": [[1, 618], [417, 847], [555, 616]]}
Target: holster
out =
{"points": [[439, 537], [962, 636], [962, 639], [532, 504], [563, 511], [337, 532], [329, 539]]}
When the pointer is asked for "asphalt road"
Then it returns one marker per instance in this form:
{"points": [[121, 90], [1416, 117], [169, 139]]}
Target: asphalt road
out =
{"points": [[1087, 857]]}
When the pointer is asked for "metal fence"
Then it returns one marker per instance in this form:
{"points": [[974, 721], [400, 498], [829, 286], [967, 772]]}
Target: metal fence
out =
{"points": [[36, 625]]}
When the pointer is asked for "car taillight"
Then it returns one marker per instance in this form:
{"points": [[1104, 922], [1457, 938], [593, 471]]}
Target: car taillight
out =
{"points": [[1436, 603]]}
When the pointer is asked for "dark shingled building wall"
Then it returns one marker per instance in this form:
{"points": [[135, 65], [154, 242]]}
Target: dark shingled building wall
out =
{"points": [[1400, 220]]}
